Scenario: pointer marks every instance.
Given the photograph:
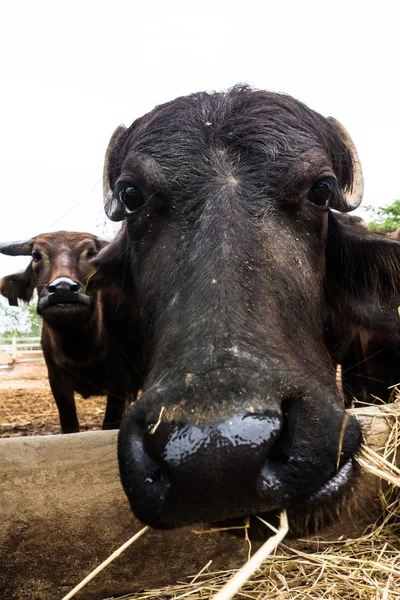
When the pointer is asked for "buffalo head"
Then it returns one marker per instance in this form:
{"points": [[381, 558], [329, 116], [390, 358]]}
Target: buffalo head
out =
{"points": [[59, 269], [238, 267]]}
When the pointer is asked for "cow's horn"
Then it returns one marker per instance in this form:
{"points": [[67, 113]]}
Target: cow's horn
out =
{"points": [[112, 206], [20, 248], [352, 198]]}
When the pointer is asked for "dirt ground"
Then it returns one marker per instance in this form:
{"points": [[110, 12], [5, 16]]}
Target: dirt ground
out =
{"points": [[27, 406]]}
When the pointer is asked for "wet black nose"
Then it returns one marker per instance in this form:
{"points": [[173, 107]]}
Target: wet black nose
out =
{"points": [[64, 284], [175, 471]]}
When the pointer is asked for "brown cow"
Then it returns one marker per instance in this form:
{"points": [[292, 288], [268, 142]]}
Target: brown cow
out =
{"points": [[83, 335]]}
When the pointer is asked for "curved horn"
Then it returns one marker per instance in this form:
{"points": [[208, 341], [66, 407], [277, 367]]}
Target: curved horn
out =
{"points": [[20, 248], [352, 199], [112, 206]]}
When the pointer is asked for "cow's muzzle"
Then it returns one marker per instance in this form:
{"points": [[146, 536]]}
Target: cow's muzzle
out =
{"points": [[63, 296], [178, 471]]}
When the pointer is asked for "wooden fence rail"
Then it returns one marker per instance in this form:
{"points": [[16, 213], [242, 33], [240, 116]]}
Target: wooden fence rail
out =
{"points": [[18, 347]]}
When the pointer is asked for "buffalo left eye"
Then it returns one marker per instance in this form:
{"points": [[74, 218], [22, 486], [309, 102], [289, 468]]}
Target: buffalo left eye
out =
{"points": [[322, 192], [131, 197], [91, 253]]}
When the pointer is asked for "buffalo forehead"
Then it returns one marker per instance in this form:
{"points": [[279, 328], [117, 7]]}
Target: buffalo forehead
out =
{"points": [[70, 237], [224, 142], [62, 242]]}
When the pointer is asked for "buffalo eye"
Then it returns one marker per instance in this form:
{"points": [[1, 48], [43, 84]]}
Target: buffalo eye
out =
{"points": [[91, 253], [36, 256], [131, 197], [322, 191]]}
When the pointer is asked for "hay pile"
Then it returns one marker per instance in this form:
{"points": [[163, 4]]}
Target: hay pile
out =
{"points": [[364, 569]]}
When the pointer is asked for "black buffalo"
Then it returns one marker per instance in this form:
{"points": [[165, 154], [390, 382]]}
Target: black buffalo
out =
{"points": [[242, 278], [83, 335], [369, 363]]}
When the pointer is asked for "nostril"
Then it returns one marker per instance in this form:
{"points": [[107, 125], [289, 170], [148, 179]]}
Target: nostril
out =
{"points": [[309, 443], [277, 454], [63, 284]]}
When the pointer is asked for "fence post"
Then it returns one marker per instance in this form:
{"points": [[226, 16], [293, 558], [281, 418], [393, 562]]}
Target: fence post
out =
{"points": [[14, 347]]}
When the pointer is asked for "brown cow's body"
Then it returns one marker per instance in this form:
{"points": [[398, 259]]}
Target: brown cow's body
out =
{"points": [[83, 336]]}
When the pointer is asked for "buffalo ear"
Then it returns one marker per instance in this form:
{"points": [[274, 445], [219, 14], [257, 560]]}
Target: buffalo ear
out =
{"points": [[19, 286], [362, 283]]}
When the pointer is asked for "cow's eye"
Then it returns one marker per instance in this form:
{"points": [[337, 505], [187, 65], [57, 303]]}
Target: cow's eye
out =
{"points": [[36, 256], [322, 191], [131, 197], [91, 253]]}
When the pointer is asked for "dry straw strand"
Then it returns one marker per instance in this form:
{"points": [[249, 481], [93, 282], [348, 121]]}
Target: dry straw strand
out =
{"points": [[363, 568], [104, 564], [243, 575], [154, 429]]}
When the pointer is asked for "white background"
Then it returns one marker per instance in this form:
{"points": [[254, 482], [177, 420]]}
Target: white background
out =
{"points": [[72, 71]]}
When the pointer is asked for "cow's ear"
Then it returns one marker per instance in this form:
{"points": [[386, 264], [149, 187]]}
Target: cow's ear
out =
{"points": [[100, 243], [95, 283], [362, 282], [19, 286]]}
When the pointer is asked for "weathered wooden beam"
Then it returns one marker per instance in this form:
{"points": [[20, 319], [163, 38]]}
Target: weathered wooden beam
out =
{"points": [[63, 511]]}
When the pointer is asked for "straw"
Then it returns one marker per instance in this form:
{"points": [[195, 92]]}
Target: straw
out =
{"points": [[104, 564], [244, 574]]}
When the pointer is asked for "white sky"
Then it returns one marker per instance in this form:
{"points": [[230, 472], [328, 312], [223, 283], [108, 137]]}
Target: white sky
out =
{"points": [[71, 72]]}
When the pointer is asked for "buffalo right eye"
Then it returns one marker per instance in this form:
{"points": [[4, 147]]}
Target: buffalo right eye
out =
{"points": [[322, 191], [36, 256], [131, 197]]}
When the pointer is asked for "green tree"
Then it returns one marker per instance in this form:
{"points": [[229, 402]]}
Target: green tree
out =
{"points": [[34, 321], [19, 321], [385, 218]]}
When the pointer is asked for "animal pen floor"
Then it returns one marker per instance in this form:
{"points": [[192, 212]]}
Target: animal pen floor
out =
{"points": [[27, 405], [364, 568]]}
